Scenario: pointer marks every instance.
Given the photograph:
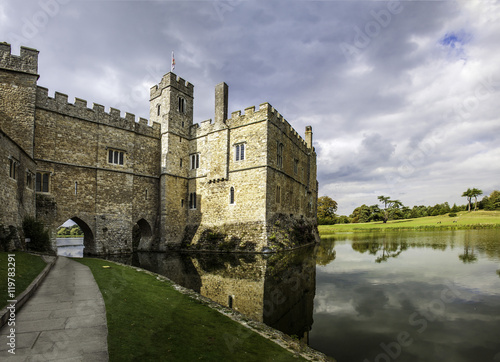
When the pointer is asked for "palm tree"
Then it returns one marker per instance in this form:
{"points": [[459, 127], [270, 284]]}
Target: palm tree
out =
{"points": [[475, 193], [389, 206], [468, 195]]}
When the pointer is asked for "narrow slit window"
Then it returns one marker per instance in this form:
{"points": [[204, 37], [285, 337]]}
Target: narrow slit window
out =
{"points": [[192, 200], [231, 195], [182, 105]]}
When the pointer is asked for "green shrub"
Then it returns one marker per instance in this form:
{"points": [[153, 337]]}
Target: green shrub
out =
{"points": [[452, 214], [35, 230]]}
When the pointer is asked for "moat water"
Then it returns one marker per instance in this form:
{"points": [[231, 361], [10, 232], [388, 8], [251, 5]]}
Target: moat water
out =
{"points": [[71, 247], [407, 296]]}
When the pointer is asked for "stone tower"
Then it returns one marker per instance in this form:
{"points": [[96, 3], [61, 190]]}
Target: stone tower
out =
{"points": [[171, 105], [18, 92]]}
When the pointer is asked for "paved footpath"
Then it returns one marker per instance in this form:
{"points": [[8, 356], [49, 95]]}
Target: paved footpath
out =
{"points": [[65, 320]]}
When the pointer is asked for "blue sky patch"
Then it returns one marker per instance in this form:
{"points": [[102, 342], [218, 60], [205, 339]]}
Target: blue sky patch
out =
{"points": [[455, 40]]}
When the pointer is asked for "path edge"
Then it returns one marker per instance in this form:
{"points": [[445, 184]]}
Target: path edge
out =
{"points": [[30, 290]]}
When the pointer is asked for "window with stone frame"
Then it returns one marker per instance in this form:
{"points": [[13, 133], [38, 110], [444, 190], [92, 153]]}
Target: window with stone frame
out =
{"points": [[116, 157], [30, 176], [239, 152], [42, 182], [195, 160], [279, 154], [182, 105], [295, 166], [278, 194], [231, 195], [13, 168], [192, 200]]}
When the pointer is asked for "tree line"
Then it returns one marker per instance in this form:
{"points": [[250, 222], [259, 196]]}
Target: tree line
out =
{"points": [[389, 209], [69, 231]]}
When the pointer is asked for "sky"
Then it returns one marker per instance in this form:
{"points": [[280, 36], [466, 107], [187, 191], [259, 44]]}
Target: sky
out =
{"points": [[402, 95]]}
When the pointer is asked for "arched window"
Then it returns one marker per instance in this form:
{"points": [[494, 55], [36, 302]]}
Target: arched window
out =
{"points": [[231, 195], [182, 105]]}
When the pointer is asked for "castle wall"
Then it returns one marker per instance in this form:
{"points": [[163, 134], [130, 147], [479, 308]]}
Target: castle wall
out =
{"points": [[17, 195], [18, 77], [72, 144], [249, 196], [218, 223]]}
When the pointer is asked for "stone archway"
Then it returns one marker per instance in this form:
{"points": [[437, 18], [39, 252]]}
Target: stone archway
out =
{"points": [[88, 237], [141, 235]]}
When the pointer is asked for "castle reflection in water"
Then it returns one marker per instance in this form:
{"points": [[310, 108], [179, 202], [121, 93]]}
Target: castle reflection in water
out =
{"points": [[276, 289]]}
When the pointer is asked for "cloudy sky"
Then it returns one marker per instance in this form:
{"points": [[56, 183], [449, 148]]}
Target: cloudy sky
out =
{"points": [[402, 95]]}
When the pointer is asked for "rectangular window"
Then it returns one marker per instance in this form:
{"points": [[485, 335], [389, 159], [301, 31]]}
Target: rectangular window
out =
{"points": [[278, 194], [279, 152], [116, 157], [240, 152], [195, 161], [295, 166], [42, 181], [192, 200]]}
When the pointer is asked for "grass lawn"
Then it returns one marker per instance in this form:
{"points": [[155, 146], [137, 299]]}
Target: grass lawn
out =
{"points": [[148, 320], [27, 269], [464, 220]]}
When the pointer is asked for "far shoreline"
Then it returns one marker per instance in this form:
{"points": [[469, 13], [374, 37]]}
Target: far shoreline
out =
{"points": [[464, 220]]}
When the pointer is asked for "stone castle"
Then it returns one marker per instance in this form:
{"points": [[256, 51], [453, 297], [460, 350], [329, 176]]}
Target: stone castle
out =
{"points": [[244, 183]]}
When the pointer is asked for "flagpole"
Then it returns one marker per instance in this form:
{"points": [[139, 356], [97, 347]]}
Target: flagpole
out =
{"points": [[172, 66]]}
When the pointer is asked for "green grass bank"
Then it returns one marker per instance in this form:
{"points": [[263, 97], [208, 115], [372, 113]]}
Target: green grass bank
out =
{"points": [[27, 268], [149, 320], [463, 220]]}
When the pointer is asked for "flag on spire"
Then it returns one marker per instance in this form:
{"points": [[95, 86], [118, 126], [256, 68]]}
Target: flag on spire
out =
{"points": [[172, 67]]}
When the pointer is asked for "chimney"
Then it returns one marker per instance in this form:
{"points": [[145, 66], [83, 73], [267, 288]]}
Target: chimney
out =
{"points": [[221, 102], [309, 136]]}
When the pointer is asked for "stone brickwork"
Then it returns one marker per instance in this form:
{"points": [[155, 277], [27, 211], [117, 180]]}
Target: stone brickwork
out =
{"points": [[242, 183], [17, 195]]}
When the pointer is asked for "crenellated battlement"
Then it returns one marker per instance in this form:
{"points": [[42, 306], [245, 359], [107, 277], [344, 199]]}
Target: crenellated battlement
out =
{"points": [[59, 104], [171, 80], [26, 62], [266, 111]]}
